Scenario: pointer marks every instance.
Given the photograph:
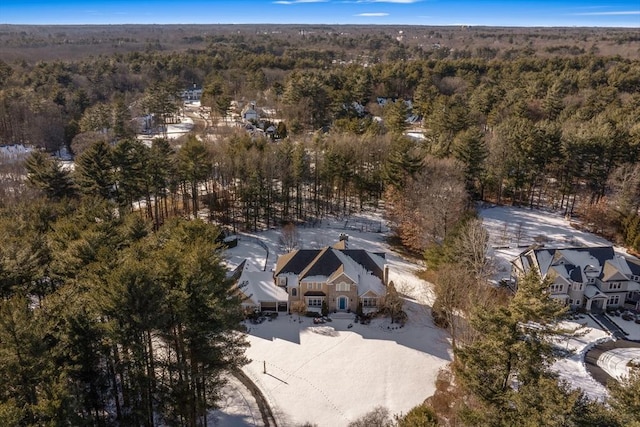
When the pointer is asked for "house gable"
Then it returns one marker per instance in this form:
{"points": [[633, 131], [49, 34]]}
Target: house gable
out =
{"points": [[324, 264]]}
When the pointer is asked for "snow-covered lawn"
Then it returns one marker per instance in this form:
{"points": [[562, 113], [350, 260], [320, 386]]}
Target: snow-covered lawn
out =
{"points": [[512, 230], [333, 373], [174, 131]]}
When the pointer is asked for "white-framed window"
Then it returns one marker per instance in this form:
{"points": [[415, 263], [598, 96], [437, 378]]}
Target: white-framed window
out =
{"points": [[282, 281], [314, 302], [577, 286], [318, 286], [615, 285], [369, 302], [570, 302], [294, 292], [342, 287], [592, 280], [613, 300], [556, 287]]}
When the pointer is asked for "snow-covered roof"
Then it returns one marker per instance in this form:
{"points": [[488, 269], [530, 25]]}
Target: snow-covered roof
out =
{"points": [[258, 287], [592, 291], [573, 264], [364, 268], [370, 283]]}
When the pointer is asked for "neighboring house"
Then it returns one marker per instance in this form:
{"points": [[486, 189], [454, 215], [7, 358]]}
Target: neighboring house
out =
{"points": [[250, 113], [191, 94], [585, 278], [258, 291], [340, 277]]}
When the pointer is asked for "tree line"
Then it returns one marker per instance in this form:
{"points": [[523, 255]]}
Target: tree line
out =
{"points": [[558, 132]]}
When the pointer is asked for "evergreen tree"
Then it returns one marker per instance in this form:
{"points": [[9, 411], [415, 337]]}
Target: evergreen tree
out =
{"points": [[45, 173], [194, 166], [94, 171], [506, 369], [470, 149], [624, 398]]}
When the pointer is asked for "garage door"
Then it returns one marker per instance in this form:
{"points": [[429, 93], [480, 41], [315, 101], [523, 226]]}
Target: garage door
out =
{"points": [[268, 306]]}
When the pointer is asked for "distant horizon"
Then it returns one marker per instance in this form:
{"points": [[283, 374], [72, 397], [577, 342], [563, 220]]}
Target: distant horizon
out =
{"points": [[496, 13]]}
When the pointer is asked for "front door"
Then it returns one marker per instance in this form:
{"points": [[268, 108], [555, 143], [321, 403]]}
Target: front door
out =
{"points": [[342, 303]]}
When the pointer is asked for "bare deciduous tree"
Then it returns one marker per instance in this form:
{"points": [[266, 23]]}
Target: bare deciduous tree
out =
{"points": [[289, 237], [425, 210], [471, 249]]}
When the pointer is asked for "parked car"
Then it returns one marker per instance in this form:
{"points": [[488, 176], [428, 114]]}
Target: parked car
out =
{"points": [[627, 315]]}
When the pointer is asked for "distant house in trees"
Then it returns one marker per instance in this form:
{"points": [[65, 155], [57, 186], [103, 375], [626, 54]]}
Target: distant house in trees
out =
{"points": [[250, 113], [191, 94], [340, 277], [585, 278]]}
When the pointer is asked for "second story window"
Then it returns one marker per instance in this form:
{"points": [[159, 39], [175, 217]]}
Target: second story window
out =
{"points": [[342, 287], [556, 288]]}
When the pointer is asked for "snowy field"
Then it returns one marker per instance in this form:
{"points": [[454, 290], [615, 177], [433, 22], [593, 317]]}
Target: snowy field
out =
{"points": [[512, 230], [174, 131], [332, 374]]}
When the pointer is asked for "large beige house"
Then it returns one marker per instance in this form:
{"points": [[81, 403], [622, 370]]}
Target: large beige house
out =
{"points": [[591, 279], [340, 277], [304, 279]]}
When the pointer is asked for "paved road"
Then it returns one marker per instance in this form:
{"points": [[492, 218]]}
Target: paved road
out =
{"points": [[265, 410], [616, 330], [591, 358]]}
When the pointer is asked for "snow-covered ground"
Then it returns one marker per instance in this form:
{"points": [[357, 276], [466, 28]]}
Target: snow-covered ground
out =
{"points": [[174, 131], [616, 362], [512, 230], [332, 374], [238, 408], [572, 369], [631, 328]]}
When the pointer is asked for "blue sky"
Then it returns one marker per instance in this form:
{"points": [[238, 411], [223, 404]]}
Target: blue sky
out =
{"points": [[609, 13]]}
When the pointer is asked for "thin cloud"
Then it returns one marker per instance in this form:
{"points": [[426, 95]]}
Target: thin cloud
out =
{"points": [[389, 1], [299, 1], [622, 12], [369, 14]]}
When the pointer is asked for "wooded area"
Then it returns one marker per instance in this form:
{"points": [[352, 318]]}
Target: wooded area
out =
{"points": [[115, 307]]}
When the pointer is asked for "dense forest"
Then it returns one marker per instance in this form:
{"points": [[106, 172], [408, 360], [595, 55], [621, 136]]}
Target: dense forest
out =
{"points": [[115, 308]]}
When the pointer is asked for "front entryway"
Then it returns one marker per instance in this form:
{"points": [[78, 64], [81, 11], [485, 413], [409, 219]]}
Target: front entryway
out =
{"points": [[342, 303]]}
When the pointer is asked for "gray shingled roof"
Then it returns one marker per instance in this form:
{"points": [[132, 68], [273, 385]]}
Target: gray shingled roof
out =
{"points": [[324, 262]]}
